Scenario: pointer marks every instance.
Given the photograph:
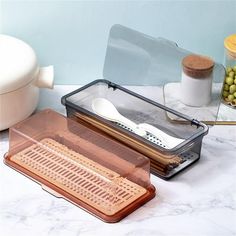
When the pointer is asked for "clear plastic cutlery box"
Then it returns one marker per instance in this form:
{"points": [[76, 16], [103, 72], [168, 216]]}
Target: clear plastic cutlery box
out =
{"points": [[137, 58], [165, 162]]}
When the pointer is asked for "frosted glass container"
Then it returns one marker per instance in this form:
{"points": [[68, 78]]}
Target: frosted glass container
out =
{"points": [[196, 83]]}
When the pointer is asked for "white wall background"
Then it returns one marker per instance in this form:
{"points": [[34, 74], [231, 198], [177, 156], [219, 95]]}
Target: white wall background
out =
{"points": [[72, 35]]}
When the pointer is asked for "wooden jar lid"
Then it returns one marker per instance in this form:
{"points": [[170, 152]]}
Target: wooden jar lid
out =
{"points": [[230, 45], [197, 66]]}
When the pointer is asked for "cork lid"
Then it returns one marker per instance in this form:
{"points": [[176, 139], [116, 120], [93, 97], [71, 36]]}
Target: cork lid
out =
{"points": [[197, 66]]}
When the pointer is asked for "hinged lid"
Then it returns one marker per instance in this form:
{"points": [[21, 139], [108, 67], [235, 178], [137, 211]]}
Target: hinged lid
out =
{"points": [[18, 64], [138, 59]]}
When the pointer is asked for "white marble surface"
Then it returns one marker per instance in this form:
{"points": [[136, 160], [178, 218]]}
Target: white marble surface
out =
{"points": [[211, 112], [200, 201]]}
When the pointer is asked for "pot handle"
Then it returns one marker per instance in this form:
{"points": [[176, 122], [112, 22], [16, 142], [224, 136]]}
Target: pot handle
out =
{"points": [[45, 77]]}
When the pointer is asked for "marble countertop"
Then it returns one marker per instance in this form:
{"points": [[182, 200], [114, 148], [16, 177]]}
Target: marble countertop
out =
{"points": [[199, 201]]}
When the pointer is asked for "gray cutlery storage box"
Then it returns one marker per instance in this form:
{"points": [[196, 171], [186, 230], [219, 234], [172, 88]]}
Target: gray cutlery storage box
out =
{"points": [[138, 58]]}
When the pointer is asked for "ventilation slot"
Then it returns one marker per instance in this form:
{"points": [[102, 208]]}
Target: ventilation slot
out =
{"points": [[81, 177]]}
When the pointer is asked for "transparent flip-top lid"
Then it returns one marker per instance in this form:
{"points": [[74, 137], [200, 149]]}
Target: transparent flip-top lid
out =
{"points": [[133, 58]]}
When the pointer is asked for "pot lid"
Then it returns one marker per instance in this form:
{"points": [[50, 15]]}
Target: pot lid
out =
{"points": [[133, 58], [18, 64]]}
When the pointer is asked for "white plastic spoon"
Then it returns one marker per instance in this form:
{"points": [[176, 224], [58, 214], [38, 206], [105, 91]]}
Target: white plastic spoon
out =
{"points": [[167, 139], [107, 110]]}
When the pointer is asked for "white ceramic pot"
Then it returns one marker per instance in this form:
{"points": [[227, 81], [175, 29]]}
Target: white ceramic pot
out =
{"points": [[20, 80]]}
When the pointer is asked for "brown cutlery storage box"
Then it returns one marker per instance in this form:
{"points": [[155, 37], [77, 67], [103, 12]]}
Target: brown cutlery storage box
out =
{"points": [[96, 173]]}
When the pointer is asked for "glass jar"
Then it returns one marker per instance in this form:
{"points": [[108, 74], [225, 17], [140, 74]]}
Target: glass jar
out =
{"points": [[229, 89], [196, 83]]}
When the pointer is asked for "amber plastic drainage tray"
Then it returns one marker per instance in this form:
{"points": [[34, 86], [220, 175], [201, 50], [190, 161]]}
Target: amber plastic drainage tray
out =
{"points": [[105, 178]]}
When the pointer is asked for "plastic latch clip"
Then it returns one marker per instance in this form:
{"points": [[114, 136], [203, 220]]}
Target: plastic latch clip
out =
{"points": [[195, 122]]}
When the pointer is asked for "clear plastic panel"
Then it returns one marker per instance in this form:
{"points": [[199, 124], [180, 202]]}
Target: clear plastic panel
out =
{"points": [[83, 166], [142, 60]]}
